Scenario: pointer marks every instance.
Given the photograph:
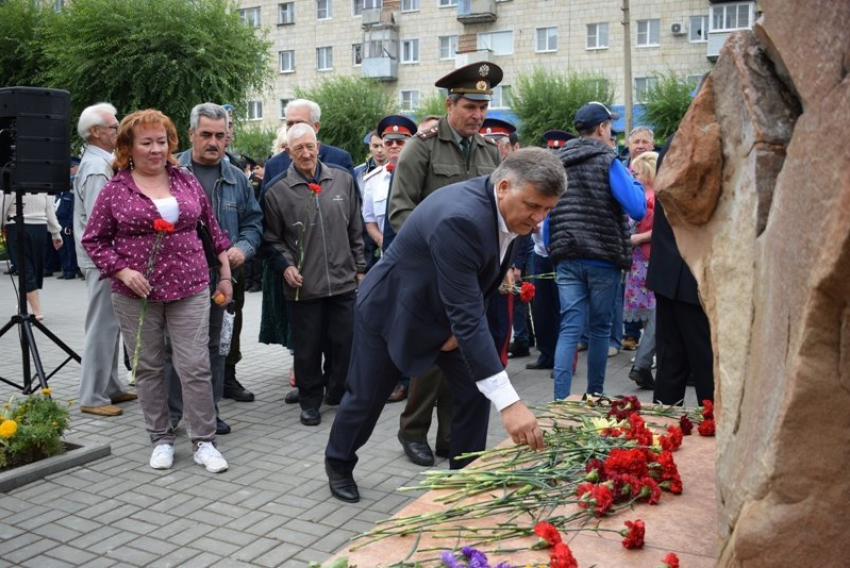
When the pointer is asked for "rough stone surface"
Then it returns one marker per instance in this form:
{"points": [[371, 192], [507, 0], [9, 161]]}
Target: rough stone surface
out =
{"points": [[773, 265]]}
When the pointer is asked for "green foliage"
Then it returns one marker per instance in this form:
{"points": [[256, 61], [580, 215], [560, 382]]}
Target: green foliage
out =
{"points": [[667, 101], [435, 104], [544, 100], [351, 107], [252, 140], [31, 429], [22, 27], [164, 54]]}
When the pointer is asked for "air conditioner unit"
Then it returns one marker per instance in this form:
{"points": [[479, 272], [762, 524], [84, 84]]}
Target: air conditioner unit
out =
{"points": [[678, 28]]}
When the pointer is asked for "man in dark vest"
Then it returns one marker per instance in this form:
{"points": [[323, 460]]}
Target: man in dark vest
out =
{"points": [[590, 243]]}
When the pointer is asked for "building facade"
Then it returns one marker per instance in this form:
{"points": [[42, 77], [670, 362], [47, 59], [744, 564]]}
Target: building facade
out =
{"points": [[408, 44]]}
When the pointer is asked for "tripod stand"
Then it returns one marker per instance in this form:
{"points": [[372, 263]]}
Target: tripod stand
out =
{"points": [[23, 319]]}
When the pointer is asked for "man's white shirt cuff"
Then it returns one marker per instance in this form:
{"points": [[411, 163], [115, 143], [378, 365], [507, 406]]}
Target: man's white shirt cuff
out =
{"points": [[499, 390]]}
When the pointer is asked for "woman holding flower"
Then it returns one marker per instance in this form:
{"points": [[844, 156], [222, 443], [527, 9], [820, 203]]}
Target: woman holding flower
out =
{"points": [[143, 235]]}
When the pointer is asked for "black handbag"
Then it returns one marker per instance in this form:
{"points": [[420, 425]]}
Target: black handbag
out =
{"points": [[207, 241]]}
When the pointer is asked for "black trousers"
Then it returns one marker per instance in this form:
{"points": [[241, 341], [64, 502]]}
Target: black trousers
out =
{"points": [[683, 348], [546, 308], [312, 322], [372, 376]]}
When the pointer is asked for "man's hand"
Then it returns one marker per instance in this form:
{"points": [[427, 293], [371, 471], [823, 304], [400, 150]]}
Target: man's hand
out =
{"points": [[359, 277], [235, 257], [57, 244], [522, 426], [293, 277], [449, 345]]}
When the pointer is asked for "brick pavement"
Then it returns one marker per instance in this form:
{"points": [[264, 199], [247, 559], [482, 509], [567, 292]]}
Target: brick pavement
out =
{"points": [[271, 508]]}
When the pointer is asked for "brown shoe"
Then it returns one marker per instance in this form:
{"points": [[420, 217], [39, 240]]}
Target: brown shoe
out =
{"points": [[399, 393], [105, 410], [630, 344], [124, 397]]}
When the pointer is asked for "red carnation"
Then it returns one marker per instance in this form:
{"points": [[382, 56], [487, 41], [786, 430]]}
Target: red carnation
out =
{"points": [[634, 534], [708, 409], [389, 167], [706, 427], [672, 441], [631, 461], [638, 430], [686, 425], [562, 557], [649, 491], [526, 292], [315, 188], [547, 532], [669, 561], [163, 226], [624, 407], [599, 496]]}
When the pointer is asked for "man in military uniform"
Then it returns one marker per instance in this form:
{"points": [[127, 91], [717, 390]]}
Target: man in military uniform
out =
{"points": [[451, 152]]}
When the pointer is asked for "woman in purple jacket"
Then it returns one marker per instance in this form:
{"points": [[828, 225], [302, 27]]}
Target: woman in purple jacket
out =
{"points": [[143, 235]]}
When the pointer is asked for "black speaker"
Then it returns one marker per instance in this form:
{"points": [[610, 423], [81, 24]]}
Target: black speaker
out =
{"points": [[35, 139]]}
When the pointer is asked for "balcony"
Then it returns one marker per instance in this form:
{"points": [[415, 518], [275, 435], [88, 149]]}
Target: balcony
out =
{"points": [[715, 42], [380, 69], [377, 16], [470, 57], [476, 11]]}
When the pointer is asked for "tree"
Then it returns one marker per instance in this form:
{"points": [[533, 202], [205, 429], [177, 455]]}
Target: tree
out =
{"points": [[667, 100], [435, 105], [253, 141], [164, 54], [351, 107], [545, 100], [22, 27]]}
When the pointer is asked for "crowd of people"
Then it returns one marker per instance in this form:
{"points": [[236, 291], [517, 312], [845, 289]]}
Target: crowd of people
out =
{"points": [[392, 281]]}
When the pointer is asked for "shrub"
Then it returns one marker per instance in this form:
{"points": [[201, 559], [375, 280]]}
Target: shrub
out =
{"points": [[252, 141], [434, 104], [667, 101], [31, 429]]}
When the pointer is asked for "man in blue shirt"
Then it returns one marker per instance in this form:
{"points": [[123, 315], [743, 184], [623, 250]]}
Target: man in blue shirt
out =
{"points": [[590, 244]]}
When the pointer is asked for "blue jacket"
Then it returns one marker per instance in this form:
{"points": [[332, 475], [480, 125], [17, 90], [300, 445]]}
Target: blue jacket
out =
{"points": [[234, 205], [434, 280]]}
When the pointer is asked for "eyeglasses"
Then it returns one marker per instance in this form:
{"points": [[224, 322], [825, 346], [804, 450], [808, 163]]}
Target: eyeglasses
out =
{"points": [[394, 142], [113, 127]]}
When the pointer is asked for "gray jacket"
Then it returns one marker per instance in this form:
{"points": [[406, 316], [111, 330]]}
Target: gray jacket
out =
{"points": [[94, 171], [321, 234]]}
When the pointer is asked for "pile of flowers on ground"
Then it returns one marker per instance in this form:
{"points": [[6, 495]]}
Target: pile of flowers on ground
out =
{"points": [[31, 429], [601, 456]]}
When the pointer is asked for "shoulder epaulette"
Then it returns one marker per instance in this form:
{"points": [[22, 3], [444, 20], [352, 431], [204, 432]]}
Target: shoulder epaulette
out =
{"points": [[489, 140], [430, 133], [373, 173]]}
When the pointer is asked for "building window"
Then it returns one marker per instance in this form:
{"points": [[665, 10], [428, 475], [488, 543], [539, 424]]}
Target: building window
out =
{"points": [[409, 5], [357, 54], [58, 5], [730, 17], [597, 36], [501, 97], [648, 33], [448, 47], [698, 30], [409, 100], [410, 51], [642, 87], [357, 6], [446, 3], [324, 58], [286, 13], [283, 103], [547, 40], [323, 9], [255, 110], [500, 43], [250, 16], [287, 61]]}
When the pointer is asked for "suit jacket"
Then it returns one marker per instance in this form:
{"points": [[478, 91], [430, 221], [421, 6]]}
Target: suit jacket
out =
{"points": [[434, 280], [328, 154]]}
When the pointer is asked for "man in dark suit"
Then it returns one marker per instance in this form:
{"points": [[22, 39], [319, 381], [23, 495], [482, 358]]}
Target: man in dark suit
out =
{"points": [[682, 331], [424, 304], [307, 112]]}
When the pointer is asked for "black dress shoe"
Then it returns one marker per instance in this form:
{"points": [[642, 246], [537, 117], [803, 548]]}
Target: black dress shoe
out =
{"points": [[235, 391], [292, 397], [518, 350], [537, 365], [418, 452], [643, 378], [221, 427], [441, 453], [310, 417], [342, 485], [331, 401]]}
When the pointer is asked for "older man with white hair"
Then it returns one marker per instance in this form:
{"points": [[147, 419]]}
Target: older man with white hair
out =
{"points": [[314, 237], [100, 388]]}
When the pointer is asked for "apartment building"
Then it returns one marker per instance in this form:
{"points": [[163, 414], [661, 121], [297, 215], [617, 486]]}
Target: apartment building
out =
{"points": [[408, 44]]}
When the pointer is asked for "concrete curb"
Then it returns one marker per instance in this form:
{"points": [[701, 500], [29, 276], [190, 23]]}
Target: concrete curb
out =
{"points": [[76, 454]]}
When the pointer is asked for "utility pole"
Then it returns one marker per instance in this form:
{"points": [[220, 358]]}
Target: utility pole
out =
{"points": [[627, 65]]}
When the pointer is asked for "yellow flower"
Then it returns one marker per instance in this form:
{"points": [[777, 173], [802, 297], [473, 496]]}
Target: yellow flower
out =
{"points": [[45, 391], [600, 423], [8, 429]]}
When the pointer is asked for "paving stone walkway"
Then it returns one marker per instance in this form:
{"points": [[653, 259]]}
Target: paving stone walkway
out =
{"points": [[271, 508]]}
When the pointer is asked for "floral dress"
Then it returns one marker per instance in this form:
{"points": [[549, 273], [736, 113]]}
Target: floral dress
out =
{"points": [[639, 301]]}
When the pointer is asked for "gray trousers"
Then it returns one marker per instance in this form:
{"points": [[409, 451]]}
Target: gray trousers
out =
{"points": [[172, 379], [646, 348], [99, 376], [187, 322]]}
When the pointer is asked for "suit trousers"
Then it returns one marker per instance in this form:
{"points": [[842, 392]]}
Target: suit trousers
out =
{"points": [[425, 392], [683, 341], [546, 309], [172, 380], [372, 376], [101, 346], [235, 354], [313, 323], [187, 322]]}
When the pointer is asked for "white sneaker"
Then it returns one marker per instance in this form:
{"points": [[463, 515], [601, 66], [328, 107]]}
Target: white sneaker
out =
{"points": [[162, 456], [209, 457], [131, 380], [612, 351]]}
